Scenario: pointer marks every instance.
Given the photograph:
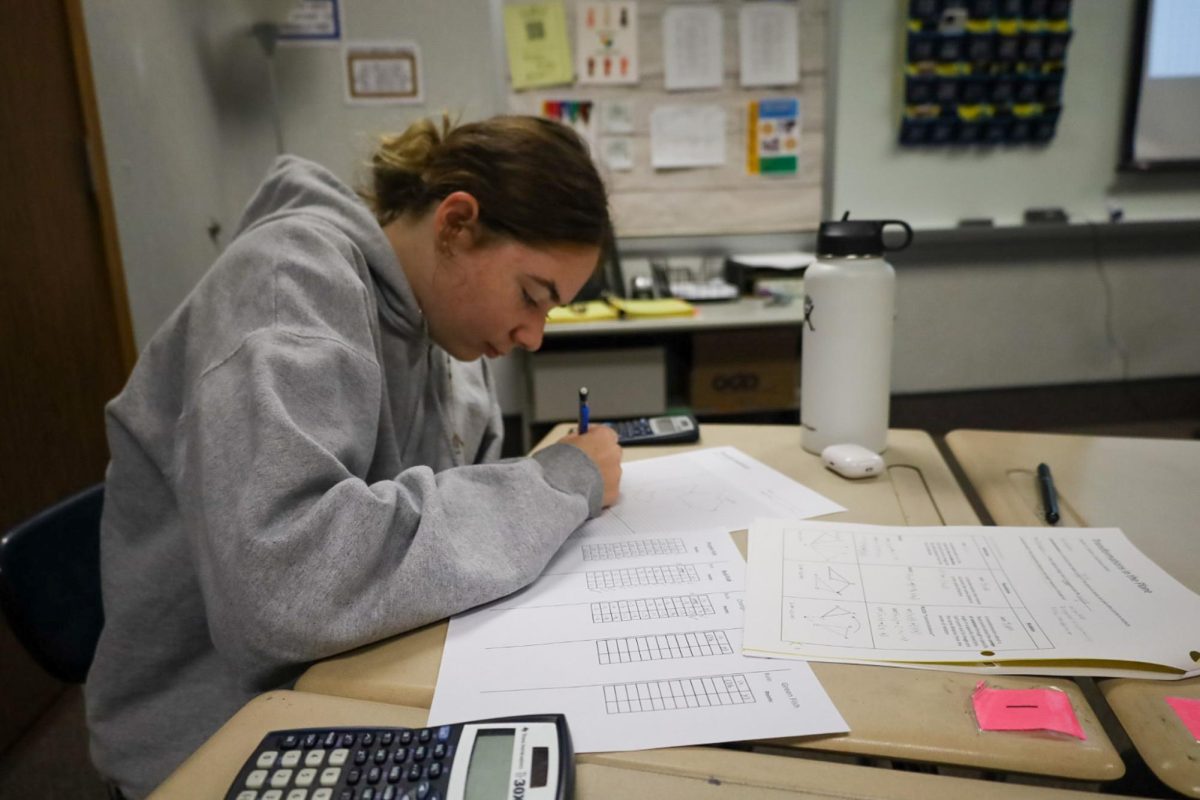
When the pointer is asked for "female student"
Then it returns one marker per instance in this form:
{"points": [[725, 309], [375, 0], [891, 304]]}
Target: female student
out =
{"points": [[305, 457]]}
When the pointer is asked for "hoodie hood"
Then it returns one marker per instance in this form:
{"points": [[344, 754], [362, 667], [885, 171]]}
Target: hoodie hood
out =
{"points": [[297, 186]]}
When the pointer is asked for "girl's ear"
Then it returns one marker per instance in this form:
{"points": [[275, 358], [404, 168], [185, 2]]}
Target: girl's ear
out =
{"points": [[456, 222]]}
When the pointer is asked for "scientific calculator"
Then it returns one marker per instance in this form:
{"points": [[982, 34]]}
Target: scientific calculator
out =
{"points": [[669, 429], [514, 758]]}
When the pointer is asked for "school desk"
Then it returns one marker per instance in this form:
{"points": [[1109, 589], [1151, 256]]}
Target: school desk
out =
{"points": [[900, 714], [1150, 489], [680, 773]]}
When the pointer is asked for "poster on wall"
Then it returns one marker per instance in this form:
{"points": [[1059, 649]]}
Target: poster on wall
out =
{"points": [[306, 21], [383, 73], [773, 136], [538, 51], [769, 39], [617, 152], [693, 49], [606, 43], [579, 115], [687, 136], [616, 116]]}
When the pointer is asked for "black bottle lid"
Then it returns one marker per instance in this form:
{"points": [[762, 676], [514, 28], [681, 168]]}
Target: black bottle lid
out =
{"points": [[857, 237]]}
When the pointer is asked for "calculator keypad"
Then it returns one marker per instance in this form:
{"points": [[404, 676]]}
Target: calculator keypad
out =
{"points": [[348, 764], [633, 428], [669, 429]]}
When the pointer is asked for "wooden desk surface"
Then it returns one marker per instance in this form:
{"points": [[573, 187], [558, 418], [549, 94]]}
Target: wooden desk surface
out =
{"points": [[681, 773], [1145, 487], [918, 715]]}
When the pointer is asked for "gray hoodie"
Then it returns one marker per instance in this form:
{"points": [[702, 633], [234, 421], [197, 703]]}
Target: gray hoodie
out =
{"points": [[297, 471]]}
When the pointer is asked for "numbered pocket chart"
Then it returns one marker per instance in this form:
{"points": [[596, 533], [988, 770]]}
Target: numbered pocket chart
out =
{"points": [[983, 72]]}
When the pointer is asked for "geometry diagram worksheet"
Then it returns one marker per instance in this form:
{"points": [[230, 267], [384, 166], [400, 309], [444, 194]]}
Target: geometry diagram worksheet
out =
{"points": [[1081, 601]]}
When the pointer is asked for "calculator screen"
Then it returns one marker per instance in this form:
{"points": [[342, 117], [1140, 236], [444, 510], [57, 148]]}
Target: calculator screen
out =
{"points": [[491, 765]]}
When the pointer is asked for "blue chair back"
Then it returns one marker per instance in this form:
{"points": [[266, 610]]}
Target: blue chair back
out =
{"points": [[50, 584]]}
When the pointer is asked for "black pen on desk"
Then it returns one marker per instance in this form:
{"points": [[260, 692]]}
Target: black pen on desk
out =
{"points": [[584, 413], [1049, 494]]}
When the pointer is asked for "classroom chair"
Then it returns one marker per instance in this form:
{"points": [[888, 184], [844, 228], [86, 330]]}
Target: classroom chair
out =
{"points": [[50, 584]]}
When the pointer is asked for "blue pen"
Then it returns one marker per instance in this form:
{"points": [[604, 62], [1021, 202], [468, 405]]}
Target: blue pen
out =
{"points": [[583, 409]]}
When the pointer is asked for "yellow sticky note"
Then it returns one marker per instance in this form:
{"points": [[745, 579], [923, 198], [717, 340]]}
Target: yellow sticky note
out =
{"points": [[592, 311], [666, 307], [538, 52]]}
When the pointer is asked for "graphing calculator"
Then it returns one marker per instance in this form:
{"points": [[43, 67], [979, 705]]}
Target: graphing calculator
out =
{"points": [[669, 429], [511, 758]]}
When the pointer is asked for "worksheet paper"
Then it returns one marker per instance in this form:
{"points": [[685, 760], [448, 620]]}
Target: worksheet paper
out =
{"points": [[769, 38], [634, 628], [687, 136], [718, 487], [606, 43], [693, 52], [1022, 601]]}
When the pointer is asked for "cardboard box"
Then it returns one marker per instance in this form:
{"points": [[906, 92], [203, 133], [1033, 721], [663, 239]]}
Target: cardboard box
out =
{"points": [[745, 370]]}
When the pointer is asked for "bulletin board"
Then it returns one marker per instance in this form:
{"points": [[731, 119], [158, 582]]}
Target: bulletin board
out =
{"points": [[724, 199]]}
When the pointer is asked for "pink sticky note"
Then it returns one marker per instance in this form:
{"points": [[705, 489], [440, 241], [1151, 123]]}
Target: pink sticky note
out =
{"points": [[1025, 710], [1188, 710]]}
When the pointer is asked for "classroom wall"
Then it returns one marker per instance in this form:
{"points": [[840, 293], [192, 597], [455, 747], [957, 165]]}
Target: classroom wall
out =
{"points": [[1030, 308], [161, 127], [718, 200], [1019, 306], [186, 110], [937, 187]]}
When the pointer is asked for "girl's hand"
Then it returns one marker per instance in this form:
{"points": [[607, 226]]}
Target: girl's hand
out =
{"points": [[600, 444]]}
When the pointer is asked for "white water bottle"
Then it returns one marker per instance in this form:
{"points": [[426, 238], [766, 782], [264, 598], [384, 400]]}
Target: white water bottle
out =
{"points": [[846, 355]]}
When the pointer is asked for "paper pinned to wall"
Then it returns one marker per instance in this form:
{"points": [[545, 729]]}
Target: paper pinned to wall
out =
{"points": [[687, 136], [538, 52], [617, 152], [616, 116], [383, 72], [308, 22], [606, 43], [769, 34], [693, 55], [578, 115], [773, 136]]}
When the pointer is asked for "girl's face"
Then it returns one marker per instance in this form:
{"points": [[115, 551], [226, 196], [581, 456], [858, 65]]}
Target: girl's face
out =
{"points": [[488, 299]]}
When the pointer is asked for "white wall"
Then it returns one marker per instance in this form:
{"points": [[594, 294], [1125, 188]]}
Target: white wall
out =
{"points": [[185, 106], [1027, 308], [162, 139], [186, 113], [1019, 306], [936, 187]]}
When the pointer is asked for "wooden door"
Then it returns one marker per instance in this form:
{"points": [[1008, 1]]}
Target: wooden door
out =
{"points": [[64, 323]]}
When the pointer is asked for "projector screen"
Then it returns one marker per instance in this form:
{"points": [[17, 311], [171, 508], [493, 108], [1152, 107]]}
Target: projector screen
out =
{"points": [[1162, 127]]}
